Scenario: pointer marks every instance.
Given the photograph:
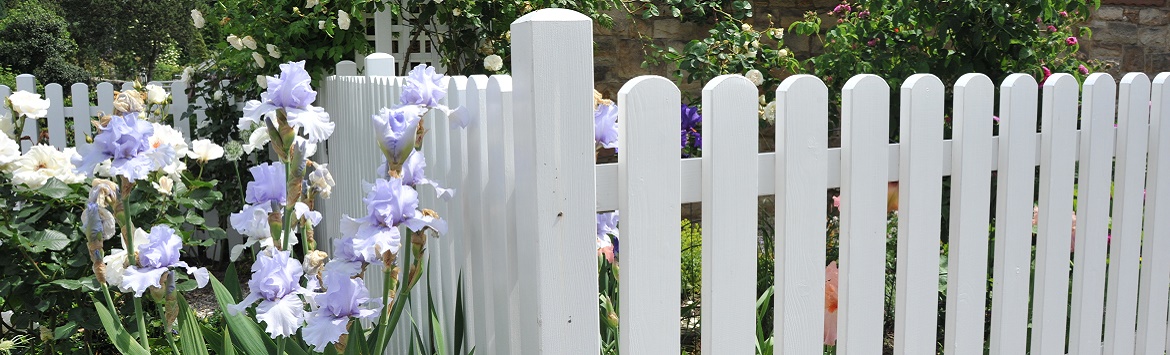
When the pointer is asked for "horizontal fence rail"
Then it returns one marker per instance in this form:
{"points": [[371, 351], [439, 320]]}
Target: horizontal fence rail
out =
{"points": [[520, 245]]}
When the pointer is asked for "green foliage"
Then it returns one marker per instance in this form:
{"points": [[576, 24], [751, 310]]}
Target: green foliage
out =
{"points": [[123, 40], [35, 39], [898, 38], [695, 11]]}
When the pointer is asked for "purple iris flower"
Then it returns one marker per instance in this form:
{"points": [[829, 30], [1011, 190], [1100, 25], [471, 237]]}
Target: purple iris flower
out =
{"points": [[423, 87], [605, 129], [291, 92], [268, 184], [155, 257], [691, 117], [275, 283], [413, 174], [607, 229], [126, 139], [345, 297], [396, 129], [389, 204]]}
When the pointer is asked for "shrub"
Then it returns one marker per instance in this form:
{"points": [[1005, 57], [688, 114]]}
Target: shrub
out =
{"points": [[33, 37]]}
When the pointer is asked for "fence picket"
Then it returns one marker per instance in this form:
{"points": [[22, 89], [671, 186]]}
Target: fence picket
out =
{"points": [[1054, 216], [179, 109], [920, 193], [1013, 229], [729, 215], [802, 103], [649, 196], [26, 82], [56, 116], [974, 105], [81, 114], [861, 287], [1133, 117], [105, 98], [6, 112], [456, 176], [482, 280], [553, 87], [1155, 267], [1093, 185], [500, 211]]}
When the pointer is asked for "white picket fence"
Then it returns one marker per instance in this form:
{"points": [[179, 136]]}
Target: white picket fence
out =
{"points": [[522, 220]]}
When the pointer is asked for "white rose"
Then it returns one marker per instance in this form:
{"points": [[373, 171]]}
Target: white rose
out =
{"points": [[770, 112], [156, 94], [247, 41], [745, 27], [164, 185], [456, 11], [310, 3], [493, 62], [258, 58], [197, 17], [321, 25], [165, 134], [128, 101], [342, 20], [28, 104], [9, 152], [235, 42], [755, 76], [783, 53], [778, 33], [7, 126], [218, 95], [204, 150], [257, 140], [187, 72], [273, 51], [262, 81], [41, 163]]}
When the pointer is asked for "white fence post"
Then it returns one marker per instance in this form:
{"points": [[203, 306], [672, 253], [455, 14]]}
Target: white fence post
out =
{"points": [[974, 105], [864, 174], [730, 180], [920, 194], [1155, 273], [1093, 185], [1013, 227], [1133, 118], [802, 117], [1054, 214], [649, 203], [552, 64]]}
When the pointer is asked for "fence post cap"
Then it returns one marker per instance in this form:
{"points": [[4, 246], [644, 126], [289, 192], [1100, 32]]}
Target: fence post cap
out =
{"points": [[552, 14]]}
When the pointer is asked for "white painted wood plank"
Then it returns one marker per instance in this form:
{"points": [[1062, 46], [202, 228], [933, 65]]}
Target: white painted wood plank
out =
{"points": [[56, 116], [26, 82], [1054, 219], [801, 143], [974, 105], [729, 215], [920, 197], [552, 66], [179, 103], [499, 211], [1155, 268], [81, 116], [1093, 185], [1133, 117], [105, 99], [861, 286], [440, 248], [456, 175], [127, 86], [346, 68], [649, 202], [1013, 226], [477, 233], [5, 91]]}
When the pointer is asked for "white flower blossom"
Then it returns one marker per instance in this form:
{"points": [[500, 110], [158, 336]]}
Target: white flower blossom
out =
{"points": [[235, 42], [310, 3], [218, 95], [28, 104], [167, 135], [156, 94], [9, 152], [258, 58], [257, 140], [187, 73], [745, 27], [755, 76], [197, 17], [770, 112], [778, 33], [457, 11], [164, 185], [7, 126], [493, 62], [262, 81], [321, 25], [342, 20], [247, 41], [783, 53], [41, 163], [321, 180], [204, 150], [272, 50]]}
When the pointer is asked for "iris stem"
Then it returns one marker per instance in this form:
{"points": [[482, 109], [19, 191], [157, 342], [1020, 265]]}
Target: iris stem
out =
{"points": [[128, 235], [386, 304], [170, 336], [142, 339], [109, 300]]}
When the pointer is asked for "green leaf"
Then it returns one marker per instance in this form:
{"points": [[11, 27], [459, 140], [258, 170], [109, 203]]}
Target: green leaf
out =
{"points": [[232, 280], [65, 331], [122, 339], [47, 239], [195, 218], [55, 189], [246, 331], [216, 341], [357, 339], [190, 337], [87, 283]]}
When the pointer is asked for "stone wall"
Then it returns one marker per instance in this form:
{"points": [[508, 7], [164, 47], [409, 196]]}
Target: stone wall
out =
{"points": [[1130, 38]]}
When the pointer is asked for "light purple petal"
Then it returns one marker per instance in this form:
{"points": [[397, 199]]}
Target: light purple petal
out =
{"points": [[323, 329], [282, 317], [139, 280]]}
